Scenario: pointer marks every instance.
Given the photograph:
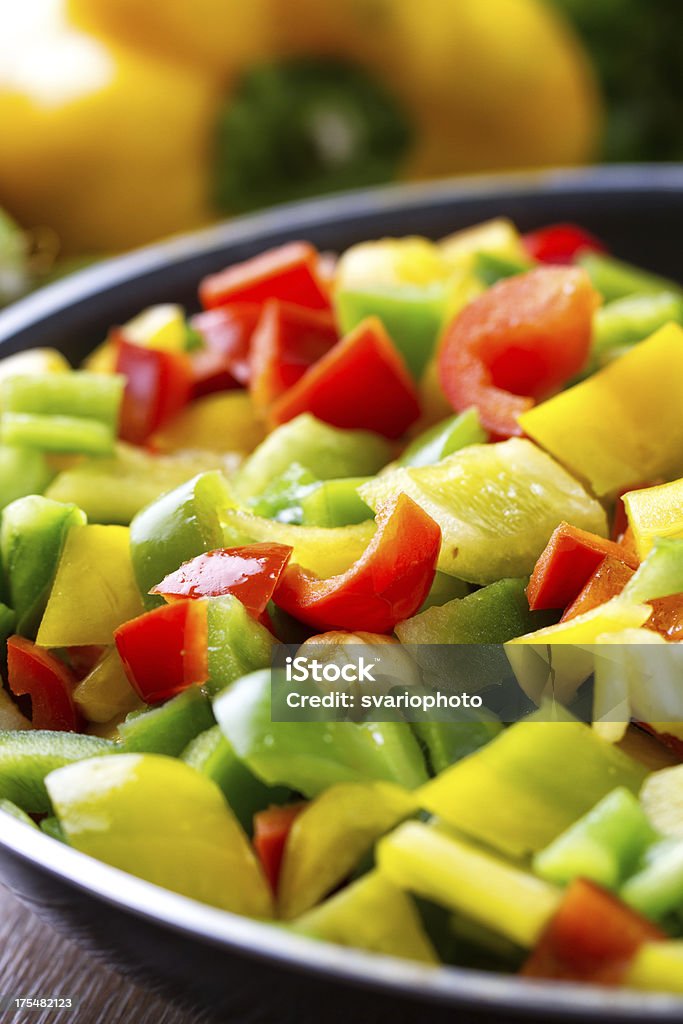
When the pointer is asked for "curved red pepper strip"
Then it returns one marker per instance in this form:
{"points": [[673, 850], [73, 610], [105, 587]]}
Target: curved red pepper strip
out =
{"points": [[34, 672], [290, 273], [225, 360], [158, 385], [250, 572], [386, 585]]}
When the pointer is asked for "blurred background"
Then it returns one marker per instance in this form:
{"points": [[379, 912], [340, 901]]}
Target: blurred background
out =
{"points": [[122, 121]]}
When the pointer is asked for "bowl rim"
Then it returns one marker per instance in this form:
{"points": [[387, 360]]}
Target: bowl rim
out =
{"points": [[463, 987]]}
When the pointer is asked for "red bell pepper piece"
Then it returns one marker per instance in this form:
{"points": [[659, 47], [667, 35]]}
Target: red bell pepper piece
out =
{"points": [[560, 243], [290, 273], [34, 672], [667, 617], [250, 572], [287, 340], [166, 650], [518, 342], [158, 385], [362, 383], [224, 362], [82, 660], [387, 584], [569, 560], [592, 937], [608, 580], [271, 832]]}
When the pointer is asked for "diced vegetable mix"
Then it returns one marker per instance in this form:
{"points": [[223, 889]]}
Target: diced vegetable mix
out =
{"points": [[477, 442]]}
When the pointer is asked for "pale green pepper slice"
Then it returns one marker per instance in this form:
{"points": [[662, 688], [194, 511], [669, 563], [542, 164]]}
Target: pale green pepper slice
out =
{"points": [[22, 471], [26, 757]]}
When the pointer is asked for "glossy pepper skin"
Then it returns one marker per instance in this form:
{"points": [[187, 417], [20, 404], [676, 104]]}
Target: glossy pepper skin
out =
{"points": [[155, 85]]}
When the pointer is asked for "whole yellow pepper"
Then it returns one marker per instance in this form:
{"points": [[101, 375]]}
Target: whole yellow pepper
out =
{"points": [[123, 121]]}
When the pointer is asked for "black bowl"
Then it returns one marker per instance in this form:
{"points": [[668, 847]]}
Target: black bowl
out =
{"points": [[254, 972]]}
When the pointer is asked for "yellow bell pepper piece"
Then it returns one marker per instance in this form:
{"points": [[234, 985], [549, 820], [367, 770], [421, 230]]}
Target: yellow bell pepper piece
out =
{"points": [[657, 967], [163, 821], [330, 836], [106, 692], [33, 360], [160, 327], [623, 425], [223, 422], [94, 590], [655, 512], [499, 237], [391, 261], [124, 134]]}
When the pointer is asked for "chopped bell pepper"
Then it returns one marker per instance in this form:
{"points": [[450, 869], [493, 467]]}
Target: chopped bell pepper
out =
{"points": [[387, 584], [655, 512], [33, 360], [164, 651], [322, 550], [623, 424], [32, 536], [615, 279], [22, 471], [492, 615], [167, 729], [516, 793], [370, 914], [238, 644], [176, 527], [330, 835], [496, 504], [323, 450], [518, 342], [224, 358], [287, 340], [604, 846], [47, 681], [560, 243], [657, 888], [607, 581], [94, 590], [289, 273], [271, 832], [282, 498], [212, 755], [311, 756], [11, 718], [661, 800], [567, 563], [361, 383], [105, 692], [161, 326], [61, 412], [114, 490], [439, 866], [623, 323], [448, 742], [497, 237], [224, 422], [26, 758], [335, 503], [250, 572], [657, 967], [445, 588], [117, 810], [7, 807], [444, 439], [158, 385], [592, 937], [660, 575], [490, 269]]}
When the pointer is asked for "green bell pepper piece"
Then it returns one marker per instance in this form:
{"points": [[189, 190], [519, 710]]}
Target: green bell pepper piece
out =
{"points": [[615, 279], [335, 503], [660, 575], [238, 644], [8, 621], [212, 755], [282, 498], [603, 846], [169, 728], [32, 536], [22, 471], [371, 914], [445, 588], [624, 322], [311, 756], [161, 820], [114, 490], [516, 793], [657, 888], [51, 827], [327, 452], [26, 757], [175, 528], [16, 812], [493, 615], [491, 267], [448, 742], [413, 316], [331, 835], [439, 866], [61, 412], [446, 437]]}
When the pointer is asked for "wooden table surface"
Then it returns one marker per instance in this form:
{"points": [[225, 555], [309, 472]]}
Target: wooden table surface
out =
{"points": [[34, 960]]}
